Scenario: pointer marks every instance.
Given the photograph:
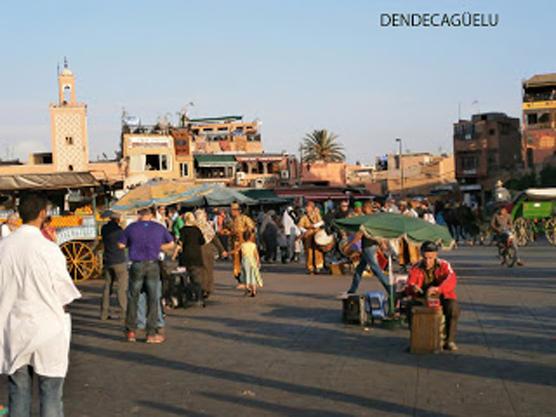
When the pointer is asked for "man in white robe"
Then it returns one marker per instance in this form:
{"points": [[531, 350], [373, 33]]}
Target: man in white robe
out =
{"points": [[35, 329]]}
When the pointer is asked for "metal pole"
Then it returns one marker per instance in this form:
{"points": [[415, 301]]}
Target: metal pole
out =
{"points": [[399, 140]]}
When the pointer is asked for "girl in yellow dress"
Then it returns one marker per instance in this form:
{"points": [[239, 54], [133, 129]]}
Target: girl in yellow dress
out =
{"points": [[250, 264]]}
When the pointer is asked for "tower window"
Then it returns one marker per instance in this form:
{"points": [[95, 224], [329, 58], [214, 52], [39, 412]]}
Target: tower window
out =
{"points": [[69, 140], [67, 94]]}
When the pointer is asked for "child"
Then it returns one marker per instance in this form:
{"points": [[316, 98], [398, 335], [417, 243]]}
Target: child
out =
{"points": [[250, 264]]}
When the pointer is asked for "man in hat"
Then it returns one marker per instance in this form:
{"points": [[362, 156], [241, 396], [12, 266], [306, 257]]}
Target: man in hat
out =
{"points": [[433, 277], [235, 229], [357, 209], [501, 194], [114, 262], [309, 224]]}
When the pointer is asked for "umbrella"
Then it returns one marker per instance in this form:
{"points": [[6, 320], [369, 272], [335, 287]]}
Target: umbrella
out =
{"points": [[393, 226], [151, 193], [213, 195]]}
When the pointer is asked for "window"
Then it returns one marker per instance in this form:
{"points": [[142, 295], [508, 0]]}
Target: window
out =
{"points": [[70, 167], [153, 162], [67, 94], [492, 160], [156, 162], [532, 119], [492, 132], [468, 163], [69, 140], [464, 131], [184, 169]]}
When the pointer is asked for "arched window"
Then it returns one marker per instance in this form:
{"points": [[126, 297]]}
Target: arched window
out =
{"points": [[67, 94]]}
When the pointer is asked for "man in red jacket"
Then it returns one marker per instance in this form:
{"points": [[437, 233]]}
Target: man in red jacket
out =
{"points": [[434, 277]]}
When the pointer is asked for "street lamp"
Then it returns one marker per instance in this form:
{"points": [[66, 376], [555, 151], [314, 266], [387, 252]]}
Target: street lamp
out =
{"points": [[399, 140]]}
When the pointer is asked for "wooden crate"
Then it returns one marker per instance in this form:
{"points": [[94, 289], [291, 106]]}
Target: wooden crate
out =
{"points": [[426, 330], [354, 311]]}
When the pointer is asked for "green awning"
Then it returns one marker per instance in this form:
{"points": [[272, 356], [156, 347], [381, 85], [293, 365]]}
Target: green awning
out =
{"points": [[265, 196], [215, 160]]}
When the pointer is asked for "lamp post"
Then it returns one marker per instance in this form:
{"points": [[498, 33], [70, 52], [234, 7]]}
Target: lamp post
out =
{"points": [[399, 140]]}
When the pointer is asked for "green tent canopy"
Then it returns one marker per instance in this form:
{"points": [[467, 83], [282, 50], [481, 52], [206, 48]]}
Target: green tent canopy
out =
{"points": [[393, 226]]}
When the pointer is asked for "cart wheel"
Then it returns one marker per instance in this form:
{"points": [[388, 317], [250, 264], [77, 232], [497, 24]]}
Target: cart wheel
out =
{"points": [[80, 259], [521, 231], [550, 230]]}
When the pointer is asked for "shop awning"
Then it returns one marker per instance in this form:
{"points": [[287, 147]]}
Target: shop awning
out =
{"points": [[47, 181], [215, 160], [311, 194], [259, 158], [263, 196]]}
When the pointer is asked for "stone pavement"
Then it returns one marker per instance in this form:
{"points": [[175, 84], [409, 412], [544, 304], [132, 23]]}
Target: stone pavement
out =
{"points": [[286, 352]]}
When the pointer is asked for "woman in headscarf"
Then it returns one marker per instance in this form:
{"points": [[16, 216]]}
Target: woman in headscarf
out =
{"points": [[192, 241], [212, 243], [269, 233]]}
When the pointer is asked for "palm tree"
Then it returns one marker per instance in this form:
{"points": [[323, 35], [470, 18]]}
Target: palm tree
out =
{"points": [[321, 145]]}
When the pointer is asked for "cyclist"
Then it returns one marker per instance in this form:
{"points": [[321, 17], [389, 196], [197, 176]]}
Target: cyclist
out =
{"points": [[502, 223]]}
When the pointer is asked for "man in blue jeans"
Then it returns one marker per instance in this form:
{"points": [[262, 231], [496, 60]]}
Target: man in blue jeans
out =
{"points": [[145, 239], [35, 287], [369, 249]]}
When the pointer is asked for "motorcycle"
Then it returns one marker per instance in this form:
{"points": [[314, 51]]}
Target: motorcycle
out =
{"points": [[506, 249]]}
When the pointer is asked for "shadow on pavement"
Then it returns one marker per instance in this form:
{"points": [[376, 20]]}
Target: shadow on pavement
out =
{"points": [[171, 409], [368, 347], [238, 377]]}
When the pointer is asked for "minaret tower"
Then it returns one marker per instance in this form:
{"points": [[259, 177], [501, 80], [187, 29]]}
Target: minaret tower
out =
{"points": [[68, 127]]}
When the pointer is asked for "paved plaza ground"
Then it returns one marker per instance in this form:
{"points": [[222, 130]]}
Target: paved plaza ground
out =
{"points": [[286, 352]]}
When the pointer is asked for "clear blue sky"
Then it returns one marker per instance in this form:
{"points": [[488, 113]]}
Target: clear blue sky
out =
{"points": [[296, 65]]}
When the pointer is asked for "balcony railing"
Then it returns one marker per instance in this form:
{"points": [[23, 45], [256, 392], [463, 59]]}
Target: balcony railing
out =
{"points": [[535, 126]]}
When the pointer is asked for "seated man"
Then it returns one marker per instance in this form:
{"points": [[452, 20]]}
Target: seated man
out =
{"points": [[434, 277]]}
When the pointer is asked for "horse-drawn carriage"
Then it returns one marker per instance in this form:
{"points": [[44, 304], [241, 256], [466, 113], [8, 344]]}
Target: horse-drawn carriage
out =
{"points": [[533, 214]]}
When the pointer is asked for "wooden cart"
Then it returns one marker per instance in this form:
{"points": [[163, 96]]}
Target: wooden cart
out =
{"points": [[77, 236]]}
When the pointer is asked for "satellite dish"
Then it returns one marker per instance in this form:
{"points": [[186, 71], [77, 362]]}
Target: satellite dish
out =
{"points": [[131, 120]]}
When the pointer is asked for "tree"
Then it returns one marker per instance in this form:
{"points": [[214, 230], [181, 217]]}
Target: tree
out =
{"points": [[321, 145]]}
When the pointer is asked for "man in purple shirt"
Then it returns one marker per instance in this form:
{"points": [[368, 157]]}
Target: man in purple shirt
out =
{"points": [[144, 239]]}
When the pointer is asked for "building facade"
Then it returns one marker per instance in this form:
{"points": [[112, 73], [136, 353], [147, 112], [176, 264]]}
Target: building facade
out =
{"points": [[224, 150], [539, 120], [487, 148], [412, 173]]}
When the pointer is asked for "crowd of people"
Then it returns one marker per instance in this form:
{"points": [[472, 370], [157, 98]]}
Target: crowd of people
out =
{"points": [[36, 287], [193, 239]]}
